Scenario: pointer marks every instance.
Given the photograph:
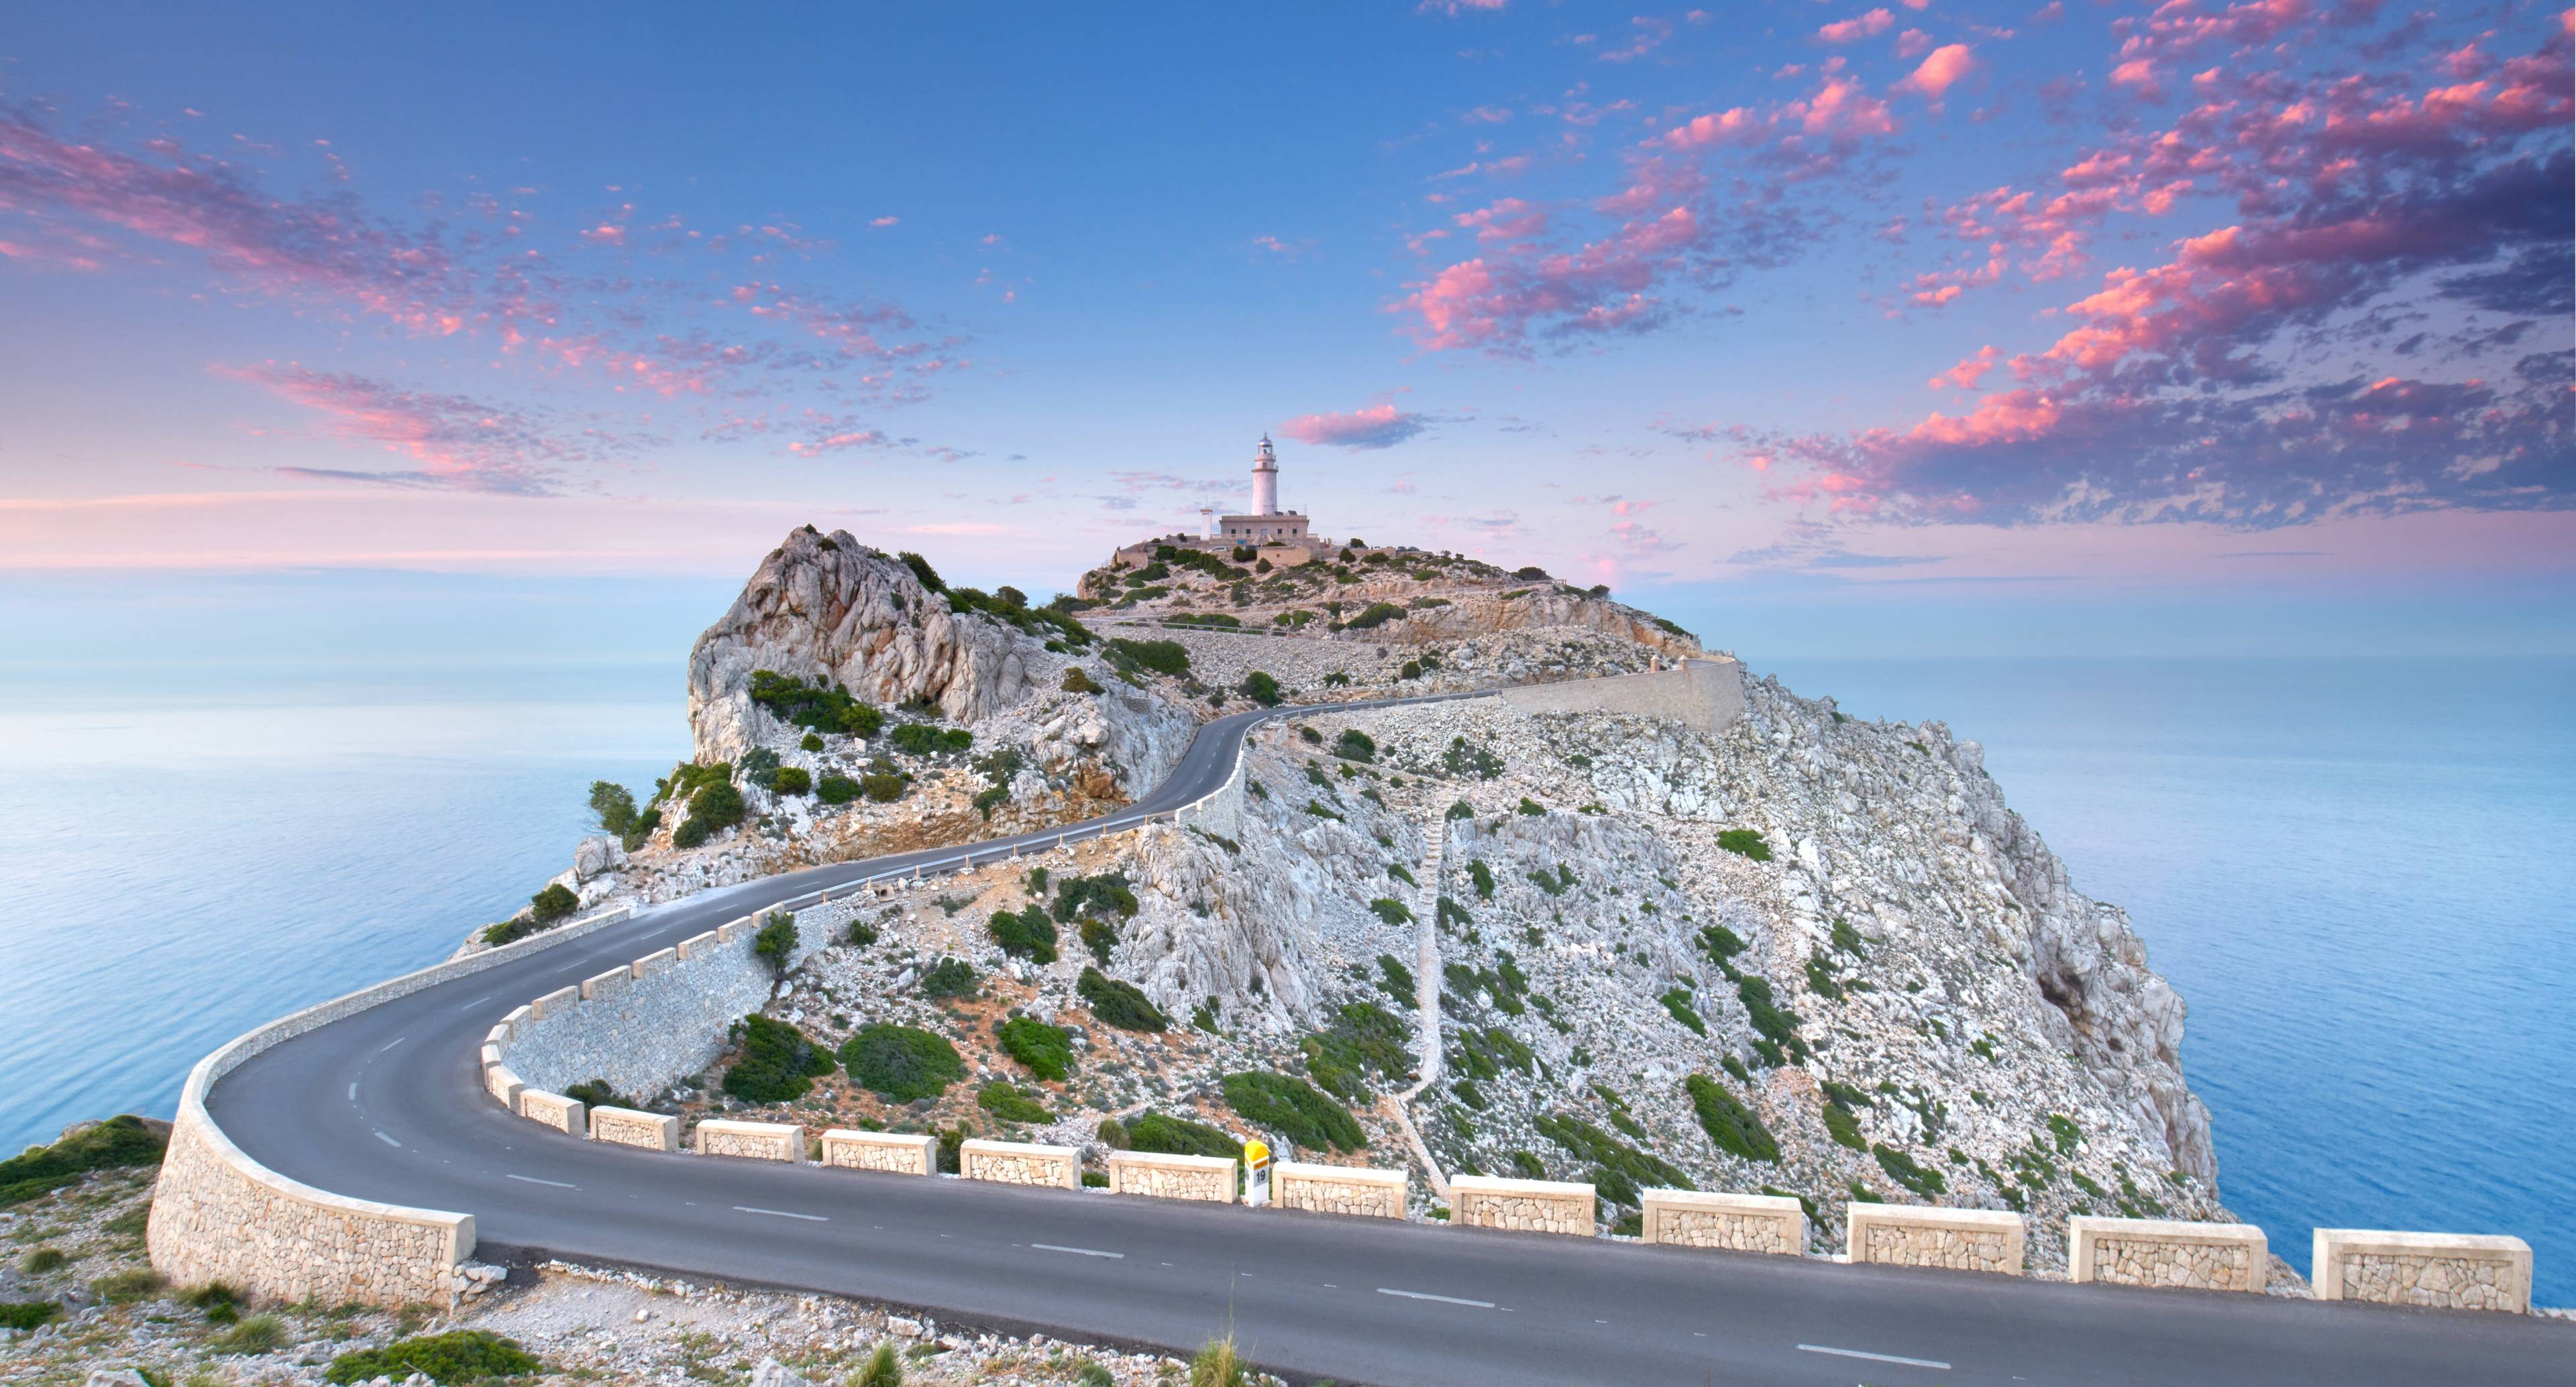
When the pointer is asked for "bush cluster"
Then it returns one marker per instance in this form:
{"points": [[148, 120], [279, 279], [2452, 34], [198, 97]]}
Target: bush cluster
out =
{"points": [[903, 1063], [1729, 1123], [1261, 687], [1010, 1103], [464, 1355], [949, 977], [615, 807], [778, 1063], [1295, 1110], [1167, 1135], [835, 788], [1161, 657], [1374, 615], [1355, 745], [1364, 1038], [1027, 934], [1120, 1004], [775, 944], [122, 1140], [814, 708], [1620, 1172], [1746, 842], [1046, 1050], [791, 780], [922, 739]]}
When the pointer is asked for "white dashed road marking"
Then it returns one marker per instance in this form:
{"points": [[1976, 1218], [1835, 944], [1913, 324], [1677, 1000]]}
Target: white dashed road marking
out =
{"points": [[1875, 1357], [780, 1213], [1079, 1251], [558, 1184], [389, 1141], [1443, 1299]]}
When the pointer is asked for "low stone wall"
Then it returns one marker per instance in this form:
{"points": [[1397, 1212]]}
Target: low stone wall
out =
{"points": [[1734, 1222], [1530, 1206], [566, 1115], [1158, 1176], [501, 1081], [756, 1141], [1908, 1235], [899, 1152], [1338, 1189], [218, 1215], [627, 1127], [2449, 1271], [2167, 1252], [1018, 1163], [1707, 694]]}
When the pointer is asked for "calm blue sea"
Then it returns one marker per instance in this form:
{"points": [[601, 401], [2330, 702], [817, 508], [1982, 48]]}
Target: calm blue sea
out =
{"points": [[2357, 872]]}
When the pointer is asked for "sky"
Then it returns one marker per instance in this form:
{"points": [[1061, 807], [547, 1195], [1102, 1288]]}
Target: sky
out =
{"points": [[2062, 326]]}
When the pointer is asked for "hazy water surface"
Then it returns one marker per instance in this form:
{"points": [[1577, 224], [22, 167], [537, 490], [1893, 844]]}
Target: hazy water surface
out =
{"points": [[2357, 873]]}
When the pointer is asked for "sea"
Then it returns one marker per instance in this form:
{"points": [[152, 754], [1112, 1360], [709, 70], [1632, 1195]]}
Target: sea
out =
{"points": [[2358, 873]]}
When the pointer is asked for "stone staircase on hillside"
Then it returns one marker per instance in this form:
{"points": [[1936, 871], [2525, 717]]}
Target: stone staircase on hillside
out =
{"points": [[1426, 992]]}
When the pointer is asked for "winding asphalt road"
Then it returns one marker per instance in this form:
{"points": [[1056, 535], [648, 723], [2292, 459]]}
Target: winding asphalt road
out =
{"points": [[388, 1104]]}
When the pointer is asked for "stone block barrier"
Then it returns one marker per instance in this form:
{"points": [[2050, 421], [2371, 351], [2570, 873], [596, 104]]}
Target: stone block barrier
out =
{"points": [[1529, 1206], [1019, 1163], [2167, 1252], [554, 1003], [569, 1116], [1160, 1176], [1338, 1189], [218, 1215], [607, 984], [2447, 1271], [1733, 1222], [899, 1152], [502, 1082], [627, 1127], [754, 1141], [1908, 1235]]}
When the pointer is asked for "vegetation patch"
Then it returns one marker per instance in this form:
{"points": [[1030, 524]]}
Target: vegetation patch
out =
{"points": [[1010, 1103], [1046, 1050], [775, 944], [1168, 1135], [778, 1063], [23, 1315], [1901, 1168], [1745, 842], [1295, 1110], [1620, 1171], [1355, 745], [903, 1063], [949, 977], [1161, 657], [1120, 1004], [1025, 934], [1261, 687], [122, 1140], [1462, 759], [1391, 910], [1678, 1003], [460, 1356], [1729, 1123], [1364, 1038], [816, 708], [922, 739]]}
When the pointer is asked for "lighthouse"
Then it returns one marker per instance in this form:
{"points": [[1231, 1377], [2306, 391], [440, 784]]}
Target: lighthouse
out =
{"points": [[1265, 479]]}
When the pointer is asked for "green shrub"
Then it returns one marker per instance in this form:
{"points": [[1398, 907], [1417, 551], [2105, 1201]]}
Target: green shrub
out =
{"points": [[1295, 1110], [884, 1368], [40, 1260], [1100, 937], [1391, 910], [1179, 1136], [1678, 1003], [1460, 810], [903, 1063], [2063, 1130], [1219, 1364], [1162, 657], [1010, 1103], [778, 1063], [258, 1334], [1374, 615], [1046, 1050], [24, 1315], [835, 788], [1412, 670], [1462, 759], [921, 569], [1777, 1025], [1119, 1004], [883, 789], [1027, 934], [1843, 1127], [1094, 1375], [1901, 1168], [1113, 1134], [1107, 896], [594, 1093], [1619, 1171], [718, 807], [1364, 1038], [814, 708], [552, 904], [119, 1141], [810, 742], [127, 1286], [1745, 842], [775, 944], [464, 1355], [1077, 682], [1355, 745], [1729, 1123], [614, 805], [1396, 979], [759, 767], [1261, 687], [791, 781], [949, 977]]}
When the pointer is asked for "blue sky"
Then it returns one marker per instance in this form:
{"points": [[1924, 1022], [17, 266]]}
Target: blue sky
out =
{"points": [[1799, 306]]}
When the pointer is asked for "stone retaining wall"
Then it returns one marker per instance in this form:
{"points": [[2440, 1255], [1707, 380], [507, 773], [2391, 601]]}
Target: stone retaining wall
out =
{"points": [[1734, 1222], [1532, 1206], [2449, 1271], [566, 1115], [218, 1215], [2167, 1252], [1209, 1178], [755, 1141], [1707, 694], [1018, 1163], [627, 1127], [1909, 1235], [901, 1153], [1338, 1189]]}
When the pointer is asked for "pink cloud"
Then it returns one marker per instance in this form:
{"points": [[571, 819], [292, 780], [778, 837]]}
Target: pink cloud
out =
{"points": [[839, 442], [1869, 25], [1496, 302], [885, 221], [1940, 71], [1455, 8], [457, 443], [1378, 426], [1509, 219], [1913, 43], [1967, 374]]}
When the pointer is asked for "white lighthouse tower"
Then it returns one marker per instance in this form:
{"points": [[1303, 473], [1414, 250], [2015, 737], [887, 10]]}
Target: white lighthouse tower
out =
{"points": [[1265, 479]]}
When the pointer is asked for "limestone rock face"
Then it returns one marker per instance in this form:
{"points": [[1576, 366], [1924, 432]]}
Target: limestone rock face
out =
{"points": [[828, 608]]}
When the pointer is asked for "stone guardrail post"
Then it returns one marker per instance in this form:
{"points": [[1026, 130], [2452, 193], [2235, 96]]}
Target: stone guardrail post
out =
{"points": [[896, 1152], [1208, 1178], [1337, 1189], [1533, 1206], [2450, 1271], [2167, 1252], [1735, 1222], [1020, 1163], [757, 1141], [1910, 1235]]}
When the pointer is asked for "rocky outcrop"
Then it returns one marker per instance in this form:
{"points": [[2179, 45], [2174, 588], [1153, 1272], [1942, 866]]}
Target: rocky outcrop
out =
{"points": [[826, 608]]}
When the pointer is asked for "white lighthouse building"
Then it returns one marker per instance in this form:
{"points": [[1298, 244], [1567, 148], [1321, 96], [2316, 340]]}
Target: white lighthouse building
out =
{"points": [[1267, 524]]}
